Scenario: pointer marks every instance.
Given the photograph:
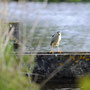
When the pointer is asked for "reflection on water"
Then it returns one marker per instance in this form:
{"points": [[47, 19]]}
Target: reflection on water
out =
{"points": [[72, 19]]}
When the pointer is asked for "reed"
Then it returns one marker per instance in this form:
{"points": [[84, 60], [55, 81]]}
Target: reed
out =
{"points": [[12, 67]]}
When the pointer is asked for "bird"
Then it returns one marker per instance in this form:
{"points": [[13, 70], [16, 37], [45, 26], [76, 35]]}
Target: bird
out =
{"points": [[56, 38]]}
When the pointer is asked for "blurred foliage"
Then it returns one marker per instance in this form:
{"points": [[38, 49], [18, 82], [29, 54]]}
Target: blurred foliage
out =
{"points": [[12, 69], [59, 0], [85, 83]]}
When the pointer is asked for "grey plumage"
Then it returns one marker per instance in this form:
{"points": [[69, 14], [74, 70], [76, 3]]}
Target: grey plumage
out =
{"points": [[56, 38]]}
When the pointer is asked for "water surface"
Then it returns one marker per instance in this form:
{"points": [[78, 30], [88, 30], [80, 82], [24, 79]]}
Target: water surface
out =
{"points": [[72, 19]]}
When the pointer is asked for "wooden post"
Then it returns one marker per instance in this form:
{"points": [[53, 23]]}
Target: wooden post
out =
{"points": [[15, 38]]}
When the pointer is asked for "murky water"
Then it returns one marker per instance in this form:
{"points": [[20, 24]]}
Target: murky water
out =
{"points": [[72, 19]]}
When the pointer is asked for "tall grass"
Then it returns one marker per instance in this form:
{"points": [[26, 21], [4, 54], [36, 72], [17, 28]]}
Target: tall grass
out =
{"points": [[12, 67], [12, 76], [58, 0]]}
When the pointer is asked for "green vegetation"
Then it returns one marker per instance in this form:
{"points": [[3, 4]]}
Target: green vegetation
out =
{"points": [[59, 0], [85, 83], [12, 76]]}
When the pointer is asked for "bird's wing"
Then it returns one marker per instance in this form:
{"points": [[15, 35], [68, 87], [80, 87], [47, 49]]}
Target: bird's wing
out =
{"points": [[53, 39], [53, 35], [51, 42]]}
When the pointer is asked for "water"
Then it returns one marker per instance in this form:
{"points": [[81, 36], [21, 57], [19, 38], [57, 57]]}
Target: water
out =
{"points": [[72, 19]]}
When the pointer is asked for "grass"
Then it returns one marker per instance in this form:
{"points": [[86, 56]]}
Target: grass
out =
{"points": [[60, 0], [85, 83], [11, 66]]}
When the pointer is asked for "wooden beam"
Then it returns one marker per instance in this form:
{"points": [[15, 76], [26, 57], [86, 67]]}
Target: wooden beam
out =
{"points": [[60, 69]]}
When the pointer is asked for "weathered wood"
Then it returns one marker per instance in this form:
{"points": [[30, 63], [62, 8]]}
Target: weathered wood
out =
{"points": [[60, 69]]}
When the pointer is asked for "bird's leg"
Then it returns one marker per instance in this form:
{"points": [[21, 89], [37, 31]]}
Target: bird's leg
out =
{"points": [[51, 51], [58, 49]]}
